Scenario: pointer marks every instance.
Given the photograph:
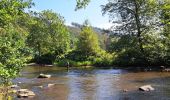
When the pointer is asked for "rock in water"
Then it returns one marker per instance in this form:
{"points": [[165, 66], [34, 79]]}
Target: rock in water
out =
{"points": [[19, 82], [146, 88], [31, 93], [166, 70], [50, 85], [25, 93], [40, 86], [125, 90], [14, 86], [44, 76], [22, 95]]}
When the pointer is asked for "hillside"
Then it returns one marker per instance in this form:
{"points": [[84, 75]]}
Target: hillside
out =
{"points": [[103, 34]]}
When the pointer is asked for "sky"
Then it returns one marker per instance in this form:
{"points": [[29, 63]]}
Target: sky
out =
{"points": [[66, 8]]}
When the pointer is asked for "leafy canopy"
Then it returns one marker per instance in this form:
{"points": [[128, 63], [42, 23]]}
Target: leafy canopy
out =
{"points": [[13, 51]]}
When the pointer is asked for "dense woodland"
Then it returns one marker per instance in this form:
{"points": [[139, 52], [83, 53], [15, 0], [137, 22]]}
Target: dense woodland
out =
{"points": [[141, 36]]}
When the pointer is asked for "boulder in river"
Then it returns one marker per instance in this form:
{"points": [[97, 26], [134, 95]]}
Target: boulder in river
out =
{"points": [[125, 90], [25, 93], [40, 86], [22, 95], [162, 67], [44, 76], [166, 70], [19, 82], [146, 88], [14, 86], [50, 85]]}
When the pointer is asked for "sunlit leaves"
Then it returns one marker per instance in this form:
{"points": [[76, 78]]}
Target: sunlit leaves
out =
{"points": [[13, 50], [88, 41], [48, 34], [10, 9], [12, 54], [82, 4]]}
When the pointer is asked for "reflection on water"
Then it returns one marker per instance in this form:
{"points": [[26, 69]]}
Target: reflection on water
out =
{"points": [[94, 84]]}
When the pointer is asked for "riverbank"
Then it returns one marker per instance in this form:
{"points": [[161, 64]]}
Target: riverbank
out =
{"points": [[137, 68]]}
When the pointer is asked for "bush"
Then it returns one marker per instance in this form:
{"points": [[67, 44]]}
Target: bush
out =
{"points": [[130, 57], [102, 58], [65, 63], [105, 59], [85, 63], [71, 63]]}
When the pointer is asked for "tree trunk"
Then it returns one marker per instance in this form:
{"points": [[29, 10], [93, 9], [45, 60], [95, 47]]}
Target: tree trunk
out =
{"points": [[138, 24]]}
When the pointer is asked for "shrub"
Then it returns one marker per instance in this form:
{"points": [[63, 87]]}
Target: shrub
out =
{"points": [[71, 63]]}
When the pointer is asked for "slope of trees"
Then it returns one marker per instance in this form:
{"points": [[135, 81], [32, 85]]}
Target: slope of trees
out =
{"points": [[87, 50]]}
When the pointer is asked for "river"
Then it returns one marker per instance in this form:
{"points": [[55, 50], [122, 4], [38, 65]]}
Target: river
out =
{"points": [[94, 84]]}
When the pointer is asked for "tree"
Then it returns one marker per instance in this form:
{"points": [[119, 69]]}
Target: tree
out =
{"points": [[134, 17], [147, 24], [88, 50], [48, 34], [88, 41], [13, 51], [82, 4], [10, 10], [164, 8], [13, 54]]}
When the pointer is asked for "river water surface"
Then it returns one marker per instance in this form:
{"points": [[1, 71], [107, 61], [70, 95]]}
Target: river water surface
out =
{"points": [[94, 84]]}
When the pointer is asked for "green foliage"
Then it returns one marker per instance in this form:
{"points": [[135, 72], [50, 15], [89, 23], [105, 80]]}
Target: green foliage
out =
{"points": [[143, 36], [103, 59], [129, 57], [126, 50], [82, 4], [164, 15], [87, 52], [48, 35], [72, 63], [140, 18], [10, 10], [13, 53], [88, 42], [132, 16], [13, 50], [44, 59]]}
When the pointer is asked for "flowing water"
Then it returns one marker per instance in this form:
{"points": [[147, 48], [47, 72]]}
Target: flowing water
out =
{"points": [[94, 84]]}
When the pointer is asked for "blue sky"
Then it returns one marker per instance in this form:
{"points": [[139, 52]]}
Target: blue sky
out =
{"points": [[66, 9]]}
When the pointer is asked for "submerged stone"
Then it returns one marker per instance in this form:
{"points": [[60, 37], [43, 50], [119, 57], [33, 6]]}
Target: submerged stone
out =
{"points": [[14, 86], [166, 70], [40, 86], [50, 85], [146, 88], [44, 76], [125, 90], [25, 93]]}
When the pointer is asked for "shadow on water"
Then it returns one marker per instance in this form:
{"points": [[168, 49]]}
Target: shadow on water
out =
{"points": [[95, 84]]}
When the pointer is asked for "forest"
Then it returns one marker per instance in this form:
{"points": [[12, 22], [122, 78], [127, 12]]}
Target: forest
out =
{"points": [[141, 36]]}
